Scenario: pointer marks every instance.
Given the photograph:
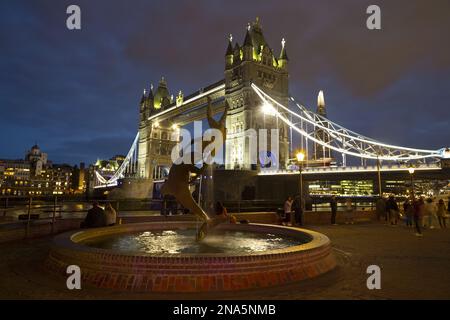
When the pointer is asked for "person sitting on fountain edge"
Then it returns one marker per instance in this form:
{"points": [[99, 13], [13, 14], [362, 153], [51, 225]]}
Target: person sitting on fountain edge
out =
{"points": [[95, 217], [110, 215], [221, 211]]}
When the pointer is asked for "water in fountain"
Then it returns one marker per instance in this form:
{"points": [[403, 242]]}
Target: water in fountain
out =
{"points": [[183, 241]]}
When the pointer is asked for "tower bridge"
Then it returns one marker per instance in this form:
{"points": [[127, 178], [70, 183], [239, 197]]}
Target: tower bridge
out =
{"points": [[193, 107], [254, 76]]}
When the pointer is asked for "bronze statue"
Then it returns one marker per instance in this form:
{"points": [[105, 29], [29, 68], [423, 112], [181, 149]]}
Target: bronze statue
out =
{"points": [[179, 178]]}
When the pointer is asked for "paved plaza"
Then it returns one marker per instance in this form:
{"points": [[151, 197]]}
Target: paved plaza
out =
{"points": [[411, 268]]}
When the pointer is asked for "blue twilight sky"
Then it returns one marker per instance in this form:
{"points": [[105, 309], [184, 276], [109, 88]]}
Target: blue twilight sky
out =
{"points": [[76, 93]]}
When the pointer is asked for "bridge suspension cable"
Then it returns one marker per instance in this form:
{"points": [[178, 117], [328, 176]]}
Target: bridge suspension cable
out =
{"points": [[342, 139], [129, 166]]}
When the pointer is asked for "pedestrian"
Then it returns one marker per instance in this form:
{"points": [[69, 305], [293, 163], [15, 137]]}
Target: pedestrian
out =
{"points": [[430, 214], [392, 209], [409, 212], [287, 211], [441, 214], [110, 214], [418, 215], [448, 206], [380, 208], [348, 211], [297, 207], [333, 205]]}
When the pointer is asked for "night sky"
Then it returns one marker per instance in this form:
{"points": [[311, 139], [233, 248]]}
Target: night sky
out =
{"points": [[76, 93]]}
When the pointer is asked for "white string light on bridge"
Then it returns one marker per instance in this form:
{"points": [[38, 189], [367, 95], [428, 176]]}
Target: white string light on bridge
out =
{"points": [[342, 140], [345, 141], [128, 165]]}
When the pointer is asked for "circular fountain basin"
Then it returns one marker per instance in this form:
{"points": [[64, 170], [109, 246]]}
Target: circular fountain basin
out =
{"points": [[164, 257]]}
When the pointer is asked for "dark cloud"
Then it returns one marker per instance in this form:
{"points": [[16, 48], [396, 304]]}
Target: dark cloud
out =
{"points": [[72, 91], [89, 148]]}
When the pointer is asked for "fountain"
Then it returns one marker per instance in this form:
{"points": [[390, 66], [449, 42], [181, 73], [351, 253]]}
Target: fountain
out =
{"points": [[164, 257], [176, 256]]}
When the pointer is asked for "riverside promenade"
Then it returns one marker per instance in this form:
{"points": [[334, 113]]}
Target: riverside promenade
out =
{"points": [[401, 256]]}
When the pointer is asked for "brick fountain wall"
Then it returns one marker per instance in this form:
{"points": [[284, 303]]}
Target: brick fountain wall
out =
{"points": [[187, 272]]}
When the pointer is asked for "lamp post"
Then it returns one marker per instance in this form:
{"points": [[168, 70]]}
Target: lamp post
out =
{"points": [[411, 175], [300, 158], [380, 192]]}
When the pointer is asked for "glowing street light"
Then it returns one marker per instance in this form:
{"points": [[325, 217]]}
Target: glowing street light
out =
{"points": [[300, 156], [268, 109], [411, 171], [174, 126]]}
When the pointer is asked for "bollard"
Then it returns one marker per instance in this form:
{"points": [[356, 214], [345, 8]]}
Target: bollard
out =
{"points": [[54, 213], [6, 206], [29, 217]]}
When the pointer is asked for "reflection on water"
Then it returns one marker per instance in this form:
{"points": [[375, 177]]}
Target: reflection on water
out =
{"points": [[183, 241]]}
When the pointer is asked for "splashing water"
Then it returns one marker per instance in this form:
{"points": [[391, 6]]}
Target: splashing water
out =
{"points": [[183, 241]]}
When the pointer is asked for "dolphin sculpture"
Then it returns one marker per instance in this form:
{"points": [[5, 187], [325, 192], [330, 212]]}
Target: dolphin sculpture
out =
{"points": [[179, 179]]}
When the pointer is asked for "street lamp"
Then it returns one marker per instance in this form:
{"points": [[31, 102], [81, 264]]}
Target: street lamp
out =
{"points": [[300, 156], [411, 175]]}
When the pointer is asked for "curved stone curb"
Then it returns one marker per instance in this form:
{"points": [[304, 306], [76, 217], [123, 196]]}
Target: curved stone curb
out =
{"points": [[191, 272]]}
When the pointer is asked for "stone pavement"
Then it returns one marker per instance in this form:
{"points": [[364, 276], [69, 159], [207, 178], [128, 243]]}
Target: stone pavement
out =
{"points": [[411, 268]]}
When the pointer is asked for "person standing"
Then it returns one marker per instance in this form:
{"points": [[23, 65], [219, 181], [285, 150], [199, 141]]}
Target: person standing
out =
{"points": [[392, 209], [297, 207], [380, 208], [349, 211], [333, 205], [418, 215], [409, 212], [441, 214], [430, 213], [448, 206], [287, 210], [111, 215]]}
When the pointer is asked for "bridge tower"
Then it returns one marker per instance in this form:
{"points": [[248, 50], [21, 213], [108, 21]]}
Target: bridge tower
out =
{"points": [[155, 139], [253, 62]]}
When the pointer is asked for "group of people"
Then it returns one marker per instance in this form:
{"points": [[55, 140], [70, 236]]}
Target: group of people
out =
{"points": [[348, 213], [293, 211], [416, 211], [294, 208], [98, 217]]}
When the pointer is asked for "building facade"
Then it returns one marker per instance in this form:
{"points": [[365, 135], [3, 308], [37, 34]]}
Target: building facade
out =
{"points": [[254, 62], [36, 176]]}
